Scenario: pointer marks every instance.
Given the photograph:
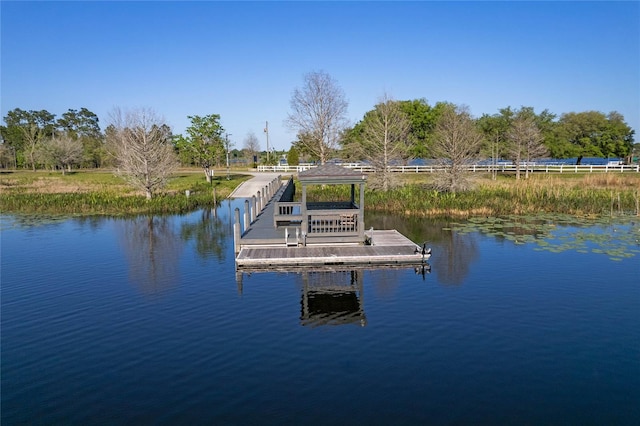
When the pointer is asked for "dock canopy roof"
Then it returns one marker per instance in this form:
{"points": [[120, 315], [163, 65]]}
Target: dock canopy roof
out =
{"points": [[331, 174]]}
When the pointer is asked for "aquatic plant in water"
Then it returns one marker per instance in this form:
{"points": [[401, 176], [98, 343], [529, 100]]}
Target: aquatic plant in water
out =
{"points": [[617, 237]]}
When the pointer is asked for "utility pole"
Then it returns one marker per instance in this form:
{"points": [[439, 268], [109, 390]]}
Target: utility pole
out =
{"points": [[266, 130], [226, 136]]}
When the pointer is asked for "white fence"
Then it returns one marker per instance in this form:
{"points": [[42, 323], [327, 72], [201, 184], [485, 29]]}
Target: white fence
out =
{"points": [[486, 168]]}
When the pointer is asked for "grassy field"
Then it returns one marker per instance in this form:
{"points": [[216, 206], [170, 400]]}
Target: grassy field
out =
{"points": [[101, 192]]}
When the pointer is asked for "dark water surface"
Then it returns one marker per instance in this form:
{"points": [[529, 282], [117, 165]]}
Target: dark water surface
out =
{"points": [[144, 321]]}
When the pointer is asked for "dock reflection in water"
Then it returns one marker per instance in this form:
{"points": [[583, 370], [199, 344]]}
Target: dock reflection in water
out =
{"points": [[332, 297]]}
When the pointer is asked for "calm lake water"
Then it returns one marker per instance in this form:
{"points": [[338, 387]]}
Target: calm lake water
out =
{"points": [[144, 321]]}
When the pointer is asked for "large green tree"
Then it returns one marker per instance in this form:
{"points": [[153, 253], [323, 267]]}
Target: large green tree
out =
{"points": [[594, 134], [423, 118], [293, 157], [77, 124], [83, 125], [24, 130], [204, 143], [422, 122], [496, 128], [517, 134]]}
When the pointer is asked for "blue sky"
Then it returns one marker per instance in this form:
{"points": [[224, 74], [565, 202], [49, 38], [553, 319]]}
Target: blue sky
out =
{"points": [[242, 60]]}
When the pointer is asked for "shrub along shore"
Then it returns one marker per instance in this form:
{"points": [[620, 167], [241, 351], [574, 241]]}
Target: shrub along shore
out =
{"points": [[102, 193]]}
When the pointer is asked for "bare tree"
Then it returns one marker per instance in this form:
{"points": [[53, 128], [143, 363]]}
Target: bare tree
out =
{"points": [[142, 147], [62, 151], [457, 142], [384, 140], [152, 247], [32, 135], [251, 145], [319, 112], [525, 141]]}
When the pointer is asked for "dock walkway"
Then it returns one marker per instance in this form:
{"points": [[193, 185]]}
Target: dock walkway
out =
{"points": [[262, 231]]}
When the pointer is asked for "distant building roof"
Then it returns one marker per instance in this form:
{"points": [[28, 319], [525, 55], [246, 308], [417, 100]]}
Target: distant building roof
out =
{"points": [[331, 174]]}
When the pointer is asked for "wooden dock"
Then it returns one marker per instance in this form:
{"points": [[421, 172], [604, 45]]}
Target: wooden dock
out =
{"points": [[389, 248], [316, 238]]}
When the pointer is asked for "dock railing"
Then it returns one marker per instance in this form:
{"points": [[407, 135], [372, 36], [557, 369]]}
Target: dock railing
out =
{"points": [[332, 222], [287, 211]]}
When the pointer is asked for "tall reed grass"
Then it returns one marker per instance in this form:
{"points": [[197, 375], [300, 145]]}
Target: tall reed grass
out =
{"points": [[590, 196], [103, 203]]}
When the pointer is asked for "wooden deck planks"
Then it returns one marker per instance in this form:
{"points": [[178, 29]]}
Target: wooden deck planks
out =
{"points": [[390, 248]]}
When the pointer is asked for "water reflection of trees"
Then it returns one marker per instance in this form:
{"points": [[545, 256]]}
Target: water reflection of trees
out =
{"points": [[92, 222], [153, 249], [452, 255], [210, 234], [455, 255], [385, 282]]}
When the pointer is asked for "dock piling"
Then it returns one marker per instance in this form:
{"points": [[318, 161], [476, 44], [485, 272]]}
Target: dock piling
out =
{"points": [[236, 231], [253, 209], [246, 215]]}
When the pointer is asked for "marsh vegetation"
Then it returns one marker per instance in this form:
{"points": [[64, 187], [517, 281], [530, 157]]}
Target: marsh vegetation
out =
{"points": [[577, 195], [103, 193]]}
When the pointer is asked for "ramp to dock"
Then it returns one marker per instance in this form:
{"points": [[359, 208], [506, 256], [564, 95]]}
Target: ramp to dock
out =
{"points": [[248, 188]]}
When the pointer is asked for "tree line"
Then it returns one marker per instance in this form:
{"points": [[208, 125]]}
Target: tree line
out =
{"points": [[395, 131], [136, 143], [392, 132], [32, 139]]}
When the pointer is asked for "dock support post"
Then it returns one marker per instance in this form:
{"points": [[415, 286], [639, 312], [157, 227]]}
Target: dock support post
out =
{"points": [[236, 231], [246, 215], [253, 209], [259, 203], [304, 226], [361, 214]]}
